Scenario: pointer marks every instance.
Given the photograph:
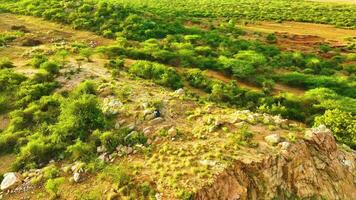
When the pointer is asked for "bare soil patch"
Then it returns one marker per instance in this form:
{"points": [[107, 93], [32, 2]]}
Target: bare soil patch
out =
{"points": [[331, 34]]}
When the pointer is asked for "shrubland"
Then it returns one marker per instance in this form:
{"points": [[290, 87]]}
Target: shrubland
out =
{"points": [[73, 125]]}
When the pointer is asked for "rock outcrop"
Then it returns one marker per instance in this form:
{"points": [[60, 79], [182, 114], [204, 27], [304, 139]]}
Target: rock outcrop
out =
{"points": [[311, 167]]}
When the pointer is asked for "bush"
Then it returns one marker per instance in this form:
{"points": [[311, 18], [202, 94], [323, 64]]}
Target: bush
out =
{"points": [[135, 138], [117, 174], [81, 151], [51, 67], [79, 117], [4, 103], [37, 151], [6, 63], [111, 140], [9, 79], [160, 74], [38, 59], [342, 124], [271, 38], [52, 187]]}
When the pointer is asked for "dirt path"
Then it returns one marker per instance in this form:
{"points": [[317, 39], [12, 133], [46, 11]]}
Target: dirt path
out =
{"points": [[49, 31], [328, 32]]}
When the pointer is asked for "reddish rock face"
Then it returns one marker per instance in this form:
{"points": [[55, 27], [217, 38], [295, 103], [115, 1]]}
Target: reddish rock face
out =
{"points": [[313, 167]]}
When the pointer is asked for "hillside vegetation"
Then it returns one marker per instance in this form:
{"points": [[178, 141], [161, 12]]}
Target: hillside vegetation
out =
{"points": [[172, 97]]}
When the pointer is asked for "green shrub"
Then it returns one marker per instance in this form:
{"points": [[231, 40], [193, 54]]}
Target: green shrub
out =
{"points": [[118, 63], [342, 124], [6, 63], [37, 60], [4, 104], [271, 38], [160, 74], [79, 117], [52, 187], [9, 79], [135, 138], [37, 151], [111, 140], [50, 172], [81, 151], [117, 174], [51, 67], [86, 87]]}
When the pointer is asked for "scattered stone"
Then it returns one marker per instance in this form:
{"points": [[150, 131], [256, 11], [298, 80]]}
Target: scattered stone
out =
{"points": [[101, 149], [11, 180], [172, 132], [284, 145], [66, 168], [129, 150], [158, 196], [273, 139], [157, 120], [111, 106], [179, 92], [149, 141], [78, 167], [103, 157], [210, 163], [117, 125], [147, 130], [348, 163], [76, 177]]}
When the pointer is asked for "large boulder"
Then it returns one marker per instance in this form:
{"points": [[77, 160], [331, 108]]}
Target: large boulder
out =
{"points": [[11, 180], [322, 137]]}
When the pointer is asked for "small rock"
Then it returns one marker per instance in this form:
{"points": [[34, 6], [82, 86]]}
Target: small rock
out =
{"points": [[129, 150], [131, 126], [157, 120], [273, 139], [76, 177], [101, 149], [77, 167], [117, 125], [10, 180], [112, 196], [103, 157], [147, 131], [172, 132], [158, 196], [348, 163], [284, 145], [179, 92], [147, 112], [208, 162], [149, 141]]}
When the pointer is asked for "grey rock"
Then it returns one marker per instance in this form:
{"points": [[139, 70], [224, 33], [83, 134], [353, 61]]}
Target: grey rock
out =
{"points": [[10, 180], [273, 139]]}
